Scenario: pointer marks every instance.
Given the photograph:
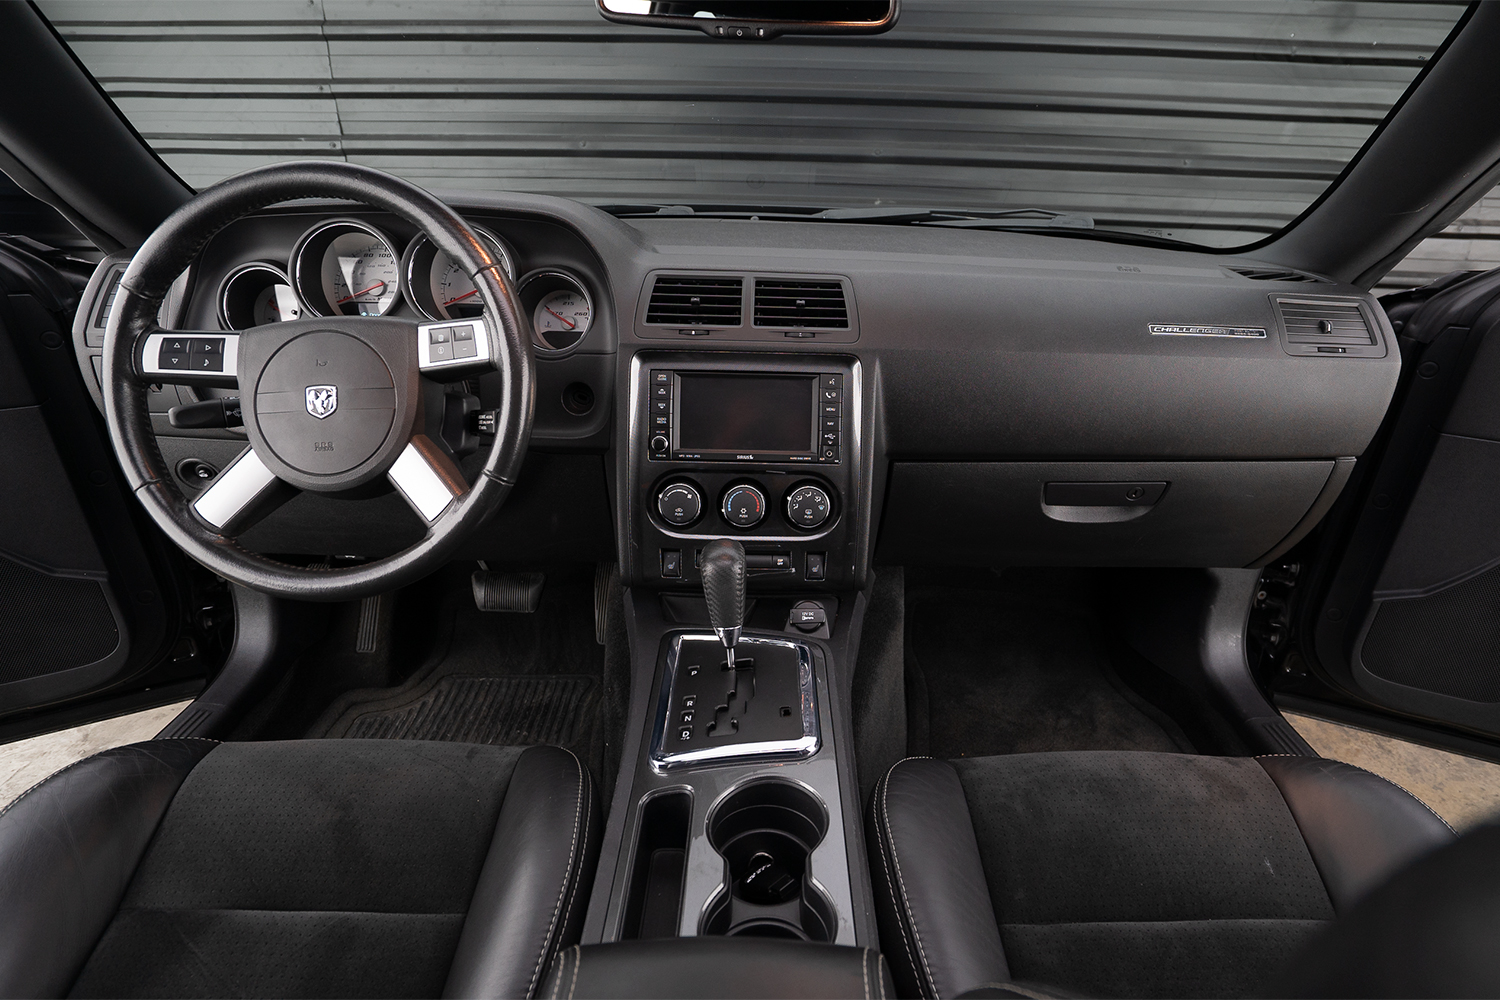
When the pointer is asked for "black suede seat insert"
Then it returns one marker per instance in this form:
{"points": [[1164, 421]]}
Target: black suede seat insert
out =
{"points": [[351, 861], [1142, 874]]}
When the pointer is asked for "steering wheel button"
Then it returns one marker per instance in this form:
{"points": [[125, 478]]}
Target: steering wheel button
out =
{"points": [[439, 336], [461, 334], [441, 352], [462, 349]]}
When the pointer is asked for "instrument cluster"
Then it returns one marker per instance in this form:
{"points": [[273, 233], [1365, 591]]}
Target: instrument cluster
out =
{"points": [[348, 267]]}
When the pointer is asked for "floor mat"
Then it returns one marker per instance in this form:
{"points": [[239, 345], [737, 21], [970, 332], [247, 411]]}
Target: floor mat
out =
{"points": [[508, 711], [501, 679], [1019, 665]]}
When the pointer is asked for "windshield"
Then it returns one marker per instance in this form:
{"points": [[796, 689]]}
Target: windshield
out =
{"points": [[1213, 123]]}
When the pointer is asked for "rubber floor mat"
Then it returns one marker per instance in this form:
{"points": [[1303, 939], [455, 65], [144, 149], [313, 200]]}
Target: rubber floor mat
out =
{"points": [[505, 711]]}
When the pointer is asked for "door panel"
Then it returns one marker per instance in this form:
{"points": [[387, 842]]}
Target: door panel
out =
{"points": [[1410, 620], [90, 594]]}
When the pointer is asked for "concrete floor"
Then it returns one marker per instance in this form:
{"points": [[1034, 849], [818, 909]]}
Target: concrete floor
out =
{"points": [[25, 762], [1462, 790]]}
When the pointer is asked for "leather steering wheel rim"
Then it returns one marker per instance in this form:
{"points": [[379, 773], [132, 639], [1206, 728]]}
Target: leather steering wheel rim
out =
{"points": [[176, 243]]}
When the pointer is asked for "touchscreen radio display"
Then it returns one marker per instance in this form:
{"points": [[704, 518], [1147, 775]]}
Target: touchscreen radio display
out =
{"points": [[746, 414]]}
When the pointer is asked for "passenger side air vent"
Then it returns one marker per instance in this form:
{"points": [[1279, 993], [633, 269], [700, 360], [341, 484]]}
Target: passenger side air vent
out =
{"points": [[1272, 274], [683, 301], [800, 304], [1327, 327]]}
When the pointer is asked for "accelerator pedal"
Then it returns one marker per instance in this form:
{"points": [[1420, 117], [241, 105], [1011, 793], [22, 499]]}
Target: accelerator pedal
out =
{"points": [[518, 593]]}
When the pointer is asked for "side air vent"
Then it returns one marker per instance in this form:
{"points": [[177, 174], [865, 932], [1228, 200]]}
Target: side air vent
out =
{"points": [[1272, 274], [683, 301], [800, 304], [1327, 328]]}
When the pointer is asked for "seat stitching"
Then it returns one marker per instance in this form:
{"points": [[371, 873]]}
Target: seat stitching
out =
{"points": [[879, 978], [885, 864], [63, 770], [577, 964], [562, 892], [900, 880], [1383, 778], [864, 969], [577, 884]]}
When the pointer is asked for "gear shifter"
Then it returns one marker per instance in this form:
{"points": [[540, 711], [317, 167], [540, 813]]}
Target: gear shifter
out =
{"points": [[724, 589]]}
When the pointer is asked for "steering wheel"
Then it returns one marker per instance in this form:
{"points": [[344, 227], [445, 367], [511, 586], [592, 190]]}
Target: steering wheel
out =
{"points": [[330, 404]]}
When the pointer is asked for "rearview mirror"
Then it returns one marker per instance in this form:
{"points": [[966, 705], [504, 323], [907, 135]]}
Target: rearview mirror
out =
{"points": [[758, 20]]}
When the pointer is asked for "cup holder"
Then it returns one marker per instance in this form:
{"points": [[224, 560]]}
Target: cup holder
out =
{"points": [[766, 830]]}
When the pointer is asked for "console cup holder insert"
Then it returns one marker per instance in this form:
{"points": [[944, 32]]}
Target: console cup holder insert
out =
{"points": [[765, 830]]}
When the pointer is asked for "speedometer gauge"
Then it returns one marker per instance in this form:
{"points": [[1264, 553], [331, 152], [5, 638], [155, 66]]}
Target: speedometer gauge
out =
{"points": [[346, 268], [442, 289]]}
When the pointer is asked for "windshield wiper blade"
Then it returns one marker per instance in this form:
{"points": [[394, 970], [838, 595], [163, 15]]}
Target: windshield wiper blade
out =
{"points": [[959, 217], [1041, 221], [643, 210]]}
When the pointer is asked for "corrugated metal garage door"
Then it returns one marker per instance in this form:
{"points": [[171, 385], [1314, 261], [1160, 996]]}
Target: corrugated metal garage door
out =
{"points": [[1208, 121]]}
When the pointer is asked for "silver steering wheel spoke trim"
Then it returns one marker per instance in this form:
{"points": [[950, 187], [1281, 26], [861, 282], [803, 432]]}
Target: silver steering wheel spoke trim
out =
{"points": [[238, 494], [427, 478]]}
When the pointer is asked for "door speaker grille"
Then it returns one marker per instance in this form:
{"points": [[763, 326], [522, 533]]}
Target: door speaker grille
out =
{"points": [[1447, 643], [51, 623]]}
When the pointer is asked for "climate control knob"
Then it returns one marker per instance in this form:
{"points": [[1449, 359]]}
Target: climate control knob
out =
{"points": [[744, 506], [679, 504], [808, 506]]}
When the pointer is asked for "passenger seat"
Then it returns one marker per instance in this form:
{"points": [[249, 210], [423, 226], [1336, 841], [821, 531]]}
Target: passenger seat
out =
{"points": [[1125, 874]]}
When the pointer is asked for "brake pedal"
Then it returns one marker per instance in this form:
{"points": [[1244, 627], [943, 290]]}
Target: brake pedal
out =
{"points": [[518, 593]]}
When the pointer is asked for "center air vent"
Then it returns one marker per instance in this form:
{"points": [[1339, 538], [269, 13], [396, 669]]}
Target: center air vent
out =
{"points": [[1272, 274], [1324, 328], [799, 304], [678, 300]]}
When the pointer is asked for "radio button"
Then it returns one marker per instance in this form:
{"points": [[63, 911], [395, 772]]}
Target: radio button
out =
{"points": [[679, 504], [661, 378], [744, 506], [808, 507], [659, 445]]}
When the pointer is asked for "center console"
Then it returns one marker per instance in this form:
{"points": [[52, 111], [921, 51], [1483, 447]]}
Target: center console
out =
{"points": [[737, 816]]}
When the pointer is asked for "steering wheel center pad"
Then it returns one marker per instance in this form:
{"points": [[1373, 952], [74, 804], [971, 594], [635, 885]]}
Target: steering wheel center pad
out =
{"points": [[327, 411]]}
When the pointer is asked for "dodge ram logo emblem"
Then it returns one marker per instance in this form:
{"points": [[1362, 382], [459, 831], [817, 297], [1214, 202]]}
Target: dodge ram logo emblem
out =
{"points": [[322, 400]]}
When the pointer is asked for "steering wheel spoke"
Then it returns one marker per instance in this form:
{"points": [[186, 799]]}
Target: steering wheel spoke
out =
{"points": [[187, 357], [427, 478], [241, 495]]}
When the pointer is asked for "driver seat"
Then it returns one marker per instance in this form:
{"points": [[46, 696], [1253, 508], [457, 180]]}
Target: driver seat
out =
{"points": [[311, 868]]}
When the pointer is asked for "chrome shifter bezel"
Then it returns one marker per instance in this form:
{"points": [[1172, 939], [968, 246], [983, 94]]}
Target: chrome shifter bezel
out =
{"points": [[663, 758]]}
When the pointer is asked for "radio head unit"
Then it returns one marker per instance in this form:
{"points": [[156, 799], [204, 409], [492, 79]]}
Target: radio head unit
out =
{"points": [[732, 416]]}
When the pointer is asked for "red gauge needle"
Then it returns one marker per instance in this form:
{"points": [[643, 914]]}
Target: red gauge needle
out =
{"points": [[461, 297], [571, 325], [346, 298]]}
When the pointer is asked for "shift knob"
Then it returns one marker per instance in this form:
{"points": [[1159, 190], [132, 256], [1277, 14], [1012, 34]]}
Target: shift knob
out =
{"points": [[724, 588]]}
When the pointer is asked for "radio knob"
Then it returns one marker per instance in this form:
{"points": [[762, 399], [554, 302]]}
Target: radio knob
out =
{"points": [[744, 506], [658, 444], [679, 504], [808, 507]]}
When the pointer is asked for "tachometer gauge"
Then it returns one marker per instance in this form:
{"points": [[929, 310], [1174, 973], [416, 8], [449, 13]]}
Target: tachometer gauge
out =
{"points": [[439, 287], [560, 307], [346, 268], [255, 294]]}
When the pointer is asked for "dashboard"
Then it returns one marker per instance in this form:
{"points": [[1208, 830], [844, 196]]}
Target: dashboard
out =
{"points": [[1002, 398]]}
